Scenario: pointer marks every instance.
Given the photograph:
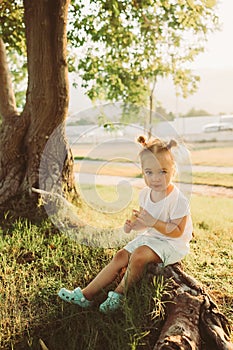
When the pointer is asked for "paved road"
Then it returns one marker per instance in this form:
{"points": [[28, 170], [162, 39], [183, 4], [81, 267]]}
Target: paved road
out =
{"points": [[205, 190]]}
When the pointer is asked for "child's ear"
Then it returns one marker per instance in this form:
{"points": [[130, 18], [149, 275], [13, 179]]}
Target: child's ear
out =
{"points": [[144, 177], [174, 173]]}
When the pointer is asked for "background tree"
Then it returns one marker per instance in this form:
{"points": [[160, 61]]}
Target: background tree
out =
{"points": [[193, 112], [12, 33], [128, 46]]}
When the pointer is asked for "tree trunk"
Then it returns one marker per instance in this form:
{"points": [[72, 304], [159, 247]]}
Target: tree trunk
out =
{"points": [[12, 131], [24, 137], [193, 321], [7, 97]]}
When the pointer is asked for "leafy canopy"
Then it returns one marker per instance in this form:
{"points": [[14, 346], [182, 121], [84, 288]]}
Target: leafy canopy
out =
{"points": [[124, 46], [12, 26]]}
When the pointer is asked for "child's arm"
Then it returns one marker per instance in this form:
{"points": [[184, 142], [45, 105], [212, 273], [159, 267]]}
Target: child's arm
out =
{"points": [[174, 228]]}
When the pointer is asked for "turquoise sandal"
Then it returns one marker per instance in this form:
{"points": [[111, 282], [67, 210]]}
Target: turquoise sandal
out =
{"points": [[74, 297], [112, 303]]}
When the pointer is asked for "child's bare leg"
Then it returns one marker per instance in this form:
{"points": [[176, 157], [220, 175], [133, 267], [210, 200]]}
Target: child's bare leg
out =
{"points": [[107, 275], [139, 259]]}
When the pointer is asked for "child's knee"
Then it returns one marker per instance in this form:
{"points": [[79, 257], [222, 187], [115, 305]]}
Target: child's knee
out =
{"points": [[122, 256], [143, 256]]}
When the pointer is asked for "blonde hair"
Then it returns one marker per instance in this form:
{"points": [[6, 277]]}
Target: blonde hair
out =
{"points": [[156, 146]]}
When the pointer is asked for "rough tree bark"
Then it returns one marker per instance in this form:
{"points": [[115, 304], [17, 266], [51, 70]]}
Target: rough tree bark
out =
{"points": [[193, 320], [23, 137]]}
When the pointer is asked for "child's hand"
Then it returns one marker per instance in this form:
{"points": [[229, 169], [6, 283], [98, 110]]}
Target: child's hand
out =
{"points": [[146, 219], [128, 226], [138, 225]]}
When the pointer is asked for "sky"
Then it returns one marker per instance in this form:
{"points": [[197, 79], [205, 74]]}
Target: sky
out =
{"points": [[214, 66], [219, 49]]}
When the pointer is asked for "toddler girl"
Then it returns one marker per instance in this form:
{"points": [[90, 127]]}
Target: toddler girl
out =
{"points": [[165, 224]]}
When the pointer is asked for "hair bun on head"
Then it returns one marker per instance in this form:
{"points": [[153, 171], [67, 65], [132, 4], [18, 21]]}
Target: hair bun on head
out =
{"points": [[171, 143], [142, 140]]}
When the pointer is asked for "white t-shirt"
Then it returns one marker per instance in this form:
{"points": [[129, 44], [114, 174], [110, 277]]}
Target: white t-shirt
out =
{"points": [[174, 206]]}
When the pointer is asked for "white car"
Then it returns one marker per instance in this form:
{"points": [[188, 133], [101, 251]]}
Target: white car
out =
{"points": [[218, 127]]}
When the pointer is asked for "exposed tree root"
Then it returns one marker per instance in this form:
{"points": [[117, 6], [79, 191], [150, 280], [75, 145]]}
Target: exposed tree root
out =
{"points": [[193, 320]]}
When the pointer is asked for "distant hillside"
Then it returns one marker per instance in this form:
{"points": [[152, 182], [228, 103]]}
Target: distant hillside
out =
{"points": [[214, 96], [112, 111]]}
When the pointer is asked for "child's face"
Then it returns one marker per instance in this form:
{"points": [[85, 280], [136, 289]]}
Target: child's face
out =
{"points": [[157, 170]]}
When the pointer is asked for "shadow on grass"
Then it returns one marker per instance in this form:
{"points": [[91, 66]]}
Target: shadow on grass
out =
{"points": [[135, 326]]}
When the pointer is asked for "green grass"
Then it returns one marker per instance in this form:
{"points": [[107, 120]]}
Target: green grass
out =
{"points": [[37, 261], [211, 258], [105, 207], [219, 154], [211, 179]]}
